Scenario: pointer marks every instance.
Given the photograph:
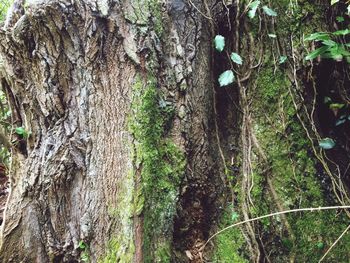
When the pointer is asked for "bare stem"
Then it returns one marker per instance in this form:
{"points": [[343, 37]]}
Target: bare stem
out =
{"points": [[333, 245], [312, 209]]}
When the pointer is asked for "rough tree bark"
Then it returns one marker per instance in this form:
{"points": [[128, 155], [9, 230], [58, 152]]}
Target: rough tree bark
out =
{"points": [[70, 68], [135, 151]]}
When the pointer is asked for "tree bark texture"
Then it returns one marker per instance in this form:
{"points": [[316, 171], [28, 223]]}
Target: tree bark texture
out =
{"points": [[136, 153], [70, 68]]}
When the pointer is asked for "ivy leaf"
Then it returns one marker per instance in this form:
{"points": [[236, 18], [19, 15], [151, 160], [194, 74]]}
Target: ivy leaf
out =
{"points": [[327, 99], [316, 53], [282, 59], [339, 122], [21, 131], [269, 11], [219, 43], [81, 244], [336, 106], [334, 2], [236, 58], [253, 7], [226, 78], [326, 143]]}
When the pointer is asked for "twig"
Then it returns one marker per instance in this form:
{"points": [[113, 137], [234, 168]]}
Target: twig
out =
{"points": [[199, 11], [312, 209], [335, 242]]}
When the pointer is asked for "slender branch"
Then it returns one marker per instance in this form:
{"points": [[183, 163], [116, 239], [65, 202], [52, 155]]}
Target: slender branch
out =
{"points": [[199, 11], [312, 209], [335, 242]]}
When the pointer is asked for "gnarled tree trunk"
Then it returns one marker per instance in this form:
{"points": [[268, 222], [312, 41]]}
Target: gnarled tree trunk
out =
{"points": [[82, 77], [136, 154]]}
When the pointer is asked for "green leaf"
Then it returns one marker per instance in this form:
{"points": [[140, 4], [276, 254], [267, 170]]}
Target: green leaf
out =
{"points": [[336, 53], [329, 42], [272, 35], [339, 122], [327, 99], [341, 32], [340, 19], [23, 132], [269, 11], [316, 53], [282, 59], [253, 7], [343, 51], [326, 143], [219, 43], [226, 78], [318, 36], [334, 2], [336, 106], [236, 58], [81, 244], [20, 130]]}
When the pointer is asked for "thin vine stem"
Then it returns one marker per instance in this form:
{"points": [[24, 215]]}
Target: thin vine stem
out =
{"points": [[311, 209], [334, 243]]}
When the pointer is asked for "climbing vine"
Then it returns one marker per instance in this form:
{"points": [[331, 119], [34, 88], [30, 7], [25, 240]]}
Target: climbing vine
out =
{"points": [[276, 163]]}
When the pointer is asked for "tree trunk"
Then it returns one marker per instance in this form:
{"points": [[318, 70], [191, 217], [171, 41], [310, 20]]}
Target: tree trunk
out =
{"points": [[136, 154]]}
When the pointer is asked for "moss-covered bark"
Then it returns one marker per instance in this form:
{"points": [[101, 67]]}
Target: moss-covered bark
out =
{"points": [[137, 154], [286, 161]]}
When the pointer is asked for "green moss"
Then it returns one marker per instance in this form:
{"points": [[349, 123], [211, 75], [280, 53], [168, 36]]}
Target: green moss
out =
{"points": [[293, 174], [229, 243], [118, 251], [163, 253], [291, 165], [161, 164], [121, 247]]}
